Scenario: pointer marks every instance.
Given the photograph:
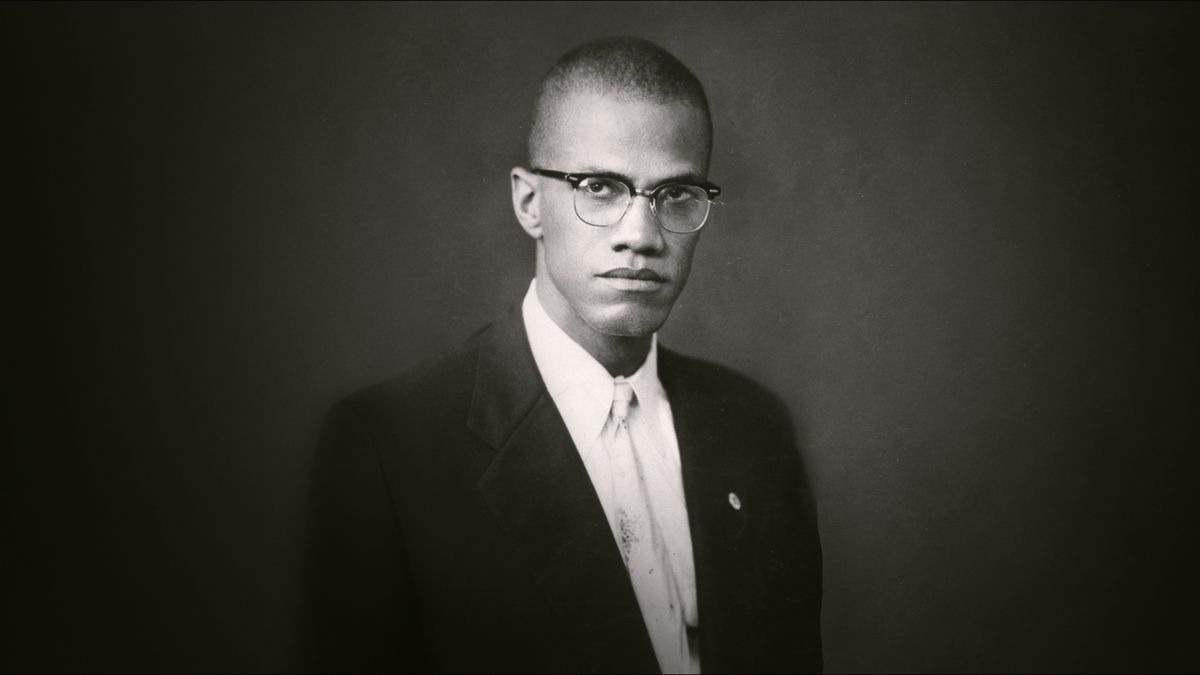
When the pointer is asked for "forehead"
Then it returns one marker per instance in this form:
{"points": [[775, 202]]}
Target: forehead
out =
{"points": [[644, 140]]}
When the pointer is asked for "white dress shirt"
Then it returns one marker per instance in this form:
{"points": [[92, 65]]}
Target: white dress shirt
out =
{"points": [[582, 390]]}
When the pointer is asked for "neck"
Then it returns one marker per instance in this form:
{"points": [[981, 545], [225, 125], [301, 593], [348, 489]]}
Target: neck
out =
{"points": [[619, 354]]}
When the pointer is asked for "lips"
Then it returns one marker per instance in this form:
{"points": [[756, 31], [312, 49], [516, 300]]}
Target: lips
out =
{"points": [[638, 275]]}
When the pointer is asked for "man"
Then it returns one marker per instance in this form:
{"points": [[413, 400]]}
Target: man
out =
{"points": [[562, 494]]}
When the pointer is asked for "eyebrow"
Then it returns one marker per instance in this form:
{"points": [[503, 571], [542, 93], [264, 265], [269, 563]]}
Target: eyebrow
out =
{"points": [[679, 178]]}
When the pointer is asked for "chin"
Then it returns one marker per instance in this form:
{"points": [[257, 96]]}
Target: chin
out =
{"points": [[628, 321]]}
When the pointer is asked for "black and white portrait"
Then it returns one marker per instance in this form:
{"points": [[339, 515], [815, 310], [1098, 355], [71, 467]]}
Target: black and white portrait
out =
{"points": [[621, 337]]}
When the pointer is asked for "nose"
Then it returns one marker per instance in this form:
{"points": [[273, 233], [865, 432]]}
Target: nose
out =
{"points": [[638, 230]]}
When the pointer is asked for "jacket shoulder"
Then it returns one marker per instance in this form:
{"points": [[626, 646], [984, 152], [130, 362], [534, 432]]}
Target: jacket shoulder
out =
{"points": [[728, 389], [436, 388]]}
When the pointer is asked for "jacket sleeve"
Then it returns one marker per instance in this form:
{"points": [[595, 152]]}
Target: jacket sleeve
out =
{"points": [[359, 603]]}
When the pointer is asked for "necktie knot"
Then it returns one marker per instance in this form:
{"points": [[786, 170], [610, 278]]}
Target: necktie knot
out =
{"points": [[622, 395]]}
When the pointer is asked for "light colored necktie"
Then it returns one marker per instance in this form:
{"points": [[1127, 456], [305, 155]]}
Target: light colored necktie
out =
{"points": [[640, 538]]}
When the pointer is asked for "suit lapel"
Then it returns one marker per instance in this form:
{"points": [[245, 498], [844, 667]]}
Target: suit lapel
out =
{"points": [[539, 490], [720, 502]]}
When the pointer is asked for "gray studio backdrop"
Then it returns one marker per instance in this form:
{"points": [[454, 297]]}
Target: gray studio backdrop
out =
{"points": [[955, 239]]}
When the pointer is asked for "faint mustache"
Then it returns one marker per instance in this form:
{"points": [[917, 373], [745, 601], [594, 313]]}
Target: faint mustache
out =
{"points": [[627, 273]]}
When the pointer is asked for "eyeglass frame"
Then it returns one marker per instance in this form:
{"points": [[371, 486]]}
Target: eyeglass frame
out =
{"points": [[711, 190]]}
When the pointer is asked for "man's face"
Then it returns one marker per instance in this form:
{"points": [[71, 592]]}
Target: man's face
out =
{"points": [[622, 279]]}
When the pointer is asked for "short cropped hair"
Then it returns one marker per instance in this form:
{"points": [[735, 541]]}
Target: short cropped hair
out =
{"points": [[626, 67]]}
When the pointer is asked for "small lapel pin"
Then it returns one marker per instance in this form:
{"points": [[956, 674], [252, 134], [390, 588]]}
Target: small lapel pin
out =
{"points": [[735, 502]]}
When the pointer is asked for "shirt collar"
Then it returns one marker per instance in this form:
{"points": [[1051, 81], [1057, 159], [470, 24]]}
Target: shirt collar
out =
{"points": [[581, 388]]}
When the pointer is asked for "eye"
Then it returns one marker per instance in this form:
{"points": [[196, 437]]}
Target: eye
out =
{"points": [[600, 188], [680, 195]]}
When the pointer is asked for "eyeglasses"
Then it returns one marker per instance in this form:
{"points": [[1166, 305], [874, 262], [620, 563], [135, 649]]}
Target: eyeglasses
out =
{"points": [[603, 200]]}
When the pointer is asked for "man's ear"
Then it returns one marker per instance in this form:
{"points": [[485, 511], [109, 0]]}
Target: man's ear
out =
{"points": [[527, 201]]}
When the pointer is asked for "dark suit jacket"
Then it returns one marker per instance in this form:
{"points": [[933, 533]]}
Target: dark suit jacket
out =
{"points": [[456, 528]]}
